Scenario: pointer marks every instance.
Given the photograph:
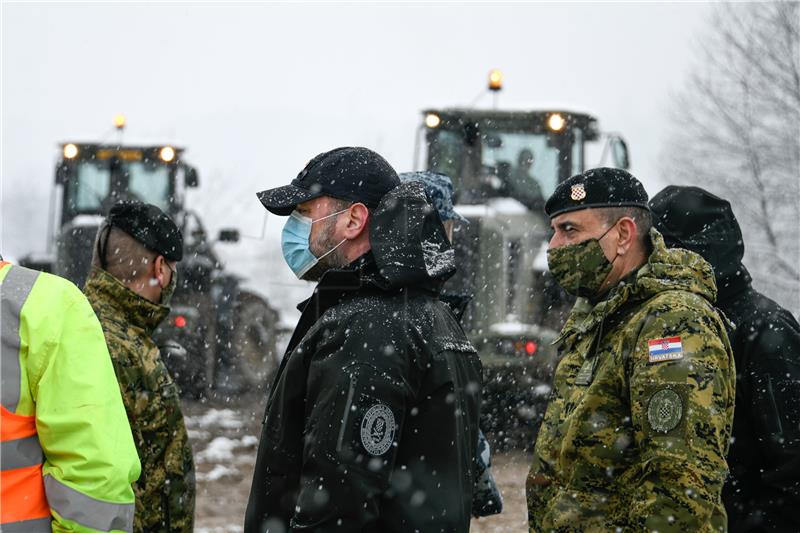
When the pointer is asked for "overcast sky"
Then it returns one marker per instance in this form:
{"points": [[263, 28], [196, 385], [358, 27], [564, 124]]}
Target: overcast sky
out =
{"points": [[255, 90]]}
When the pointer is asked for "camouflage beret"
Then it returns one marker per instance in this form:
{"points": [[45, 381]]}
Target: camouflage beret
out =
{"points": [[439, 189], [595, 188], [150, 226]]}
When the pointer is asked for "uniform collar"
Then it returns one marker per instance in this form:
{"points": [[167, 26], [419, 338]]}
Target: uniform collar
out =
{"points": [[586, 315], [137, 310]]}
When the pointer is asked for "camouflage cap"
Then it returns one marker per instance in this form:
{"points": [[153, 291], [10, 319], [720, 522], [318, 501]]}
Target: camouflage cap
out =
{"points": [[150, 226], [597, 187], [439, 189]]}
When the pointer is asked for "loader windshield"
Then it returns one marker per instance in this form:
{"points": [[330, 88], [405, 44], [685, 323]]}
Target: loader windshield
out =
{"points": [[98, 185], [497, 163], [519, 165]]}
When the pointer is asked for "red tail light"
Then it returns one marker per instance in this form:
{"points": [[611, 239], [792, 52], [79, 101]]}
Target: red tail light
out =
{"points": [[180, 321], [522, 347], [530, 347]]}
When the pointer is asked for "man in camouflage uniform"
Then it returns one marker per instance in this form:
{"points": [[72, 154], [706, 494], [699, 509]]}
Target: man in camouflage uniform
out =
{"points": [[132, 278], [638, 425]]}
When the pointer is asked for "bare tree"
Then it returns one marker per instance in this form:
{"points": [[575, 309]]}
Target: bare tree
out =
{"points": [[736, 132]]}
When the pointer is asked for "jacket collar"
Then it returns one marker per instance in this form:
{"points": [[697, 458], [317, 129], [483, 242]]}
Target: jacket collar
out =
{"points": [[336, 285], [137, 310]]}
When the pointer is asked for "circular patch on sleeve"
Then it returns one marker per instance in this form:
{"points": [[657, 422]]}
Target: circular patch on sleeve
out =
{"points": [[377, 429], [664, 411]]}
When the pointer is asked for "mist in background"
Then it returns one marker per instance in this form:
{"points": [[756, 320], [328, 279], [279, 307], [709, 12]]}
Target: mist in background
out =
{"points": [[253, 91]]}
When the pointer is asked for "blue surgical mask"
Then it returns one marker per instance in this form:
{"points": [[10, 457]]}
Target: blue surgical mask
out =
{"points": [[296, 246]]}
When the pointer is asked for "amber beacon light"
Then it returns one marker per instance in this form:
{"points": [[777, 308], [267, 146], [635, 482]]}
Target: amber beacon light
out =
{"points": [[495, 80]]}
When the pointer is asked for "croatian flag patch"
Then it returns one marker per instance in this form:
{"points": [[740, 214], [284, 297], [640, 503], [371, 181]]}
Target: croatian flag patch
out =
{"points": [[667, 349]]}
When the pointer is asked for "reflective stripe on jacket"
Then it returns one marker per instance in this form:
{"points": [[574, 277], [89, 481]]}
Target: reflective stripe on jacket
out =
{"points": [[68, 458]]}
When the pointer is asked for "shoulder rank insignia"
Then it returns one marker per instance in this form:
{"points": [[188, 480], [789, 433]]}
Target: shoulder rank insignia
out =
{"points": [[667, 349]]}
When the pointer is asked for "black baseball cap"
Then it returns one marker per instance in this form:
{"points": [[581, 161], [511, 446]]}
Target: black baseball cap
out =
{"points": [[349, 173], [597, 187], [150, 226]]}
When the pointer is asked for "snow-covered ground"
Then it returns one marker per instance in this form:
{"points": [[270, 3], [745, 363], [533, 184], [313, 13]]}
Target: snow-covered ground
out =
{"points": [[224, 440]]}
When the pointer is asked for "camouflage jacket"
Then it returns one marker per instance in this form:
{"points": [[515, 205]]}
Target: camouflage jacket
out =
{"points": [[637, 429], [165, 492]]}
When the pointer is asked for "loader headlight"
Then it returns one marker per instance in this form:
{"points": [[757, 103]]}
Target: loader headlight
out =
{"points": [[70, 151], [167, 154], [432, 120], [556, 122]]}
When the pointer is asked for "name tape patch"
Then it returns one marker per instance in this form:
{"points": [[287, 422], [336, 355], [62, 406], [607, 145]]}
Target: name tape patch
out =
{"points": [[666, 349]]}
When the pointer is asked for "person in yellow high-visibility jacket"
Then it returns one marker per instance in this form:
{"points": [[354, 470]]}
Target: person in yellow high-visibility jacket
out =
{"points": [[68, 457]]}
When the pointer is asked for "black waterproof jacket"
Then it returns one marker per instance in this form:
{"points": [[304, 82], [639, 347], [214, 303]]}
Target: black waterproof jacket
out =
{"points": [[372, 422], [763, 491]]}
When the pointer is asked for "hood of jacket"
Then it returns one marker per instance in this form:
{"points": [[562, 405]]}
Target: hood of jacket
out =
{"points": [[408, 241], [694, 219], [104, 291], [666, 269]]}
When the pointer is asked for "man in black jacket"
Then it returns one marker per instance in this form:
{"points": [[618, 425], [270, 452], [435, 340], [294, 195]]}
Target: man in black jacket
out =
{"points": [[486, 499], [372, 421], [763, 492]]}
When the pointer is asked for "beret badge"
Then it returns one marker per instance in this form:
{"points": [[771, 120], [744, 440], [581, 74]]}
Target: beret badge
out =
{"points": [[577, 192]]}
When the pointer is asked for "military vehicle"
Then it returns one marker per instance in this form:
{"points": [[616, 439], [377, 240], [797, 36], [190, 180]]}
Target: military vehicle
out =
{"points": [[504, 165], [217, 334]]}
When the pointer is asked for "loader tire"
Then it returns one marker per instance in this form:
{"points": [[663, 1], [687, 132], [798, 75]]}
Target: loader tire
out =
{"points": [[253, 344]]}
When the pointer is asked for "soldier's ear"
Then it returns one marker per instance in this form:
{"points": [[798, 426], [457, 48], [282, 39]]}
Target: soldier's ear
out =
{"points": [[627, 234], [159, 264]]}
